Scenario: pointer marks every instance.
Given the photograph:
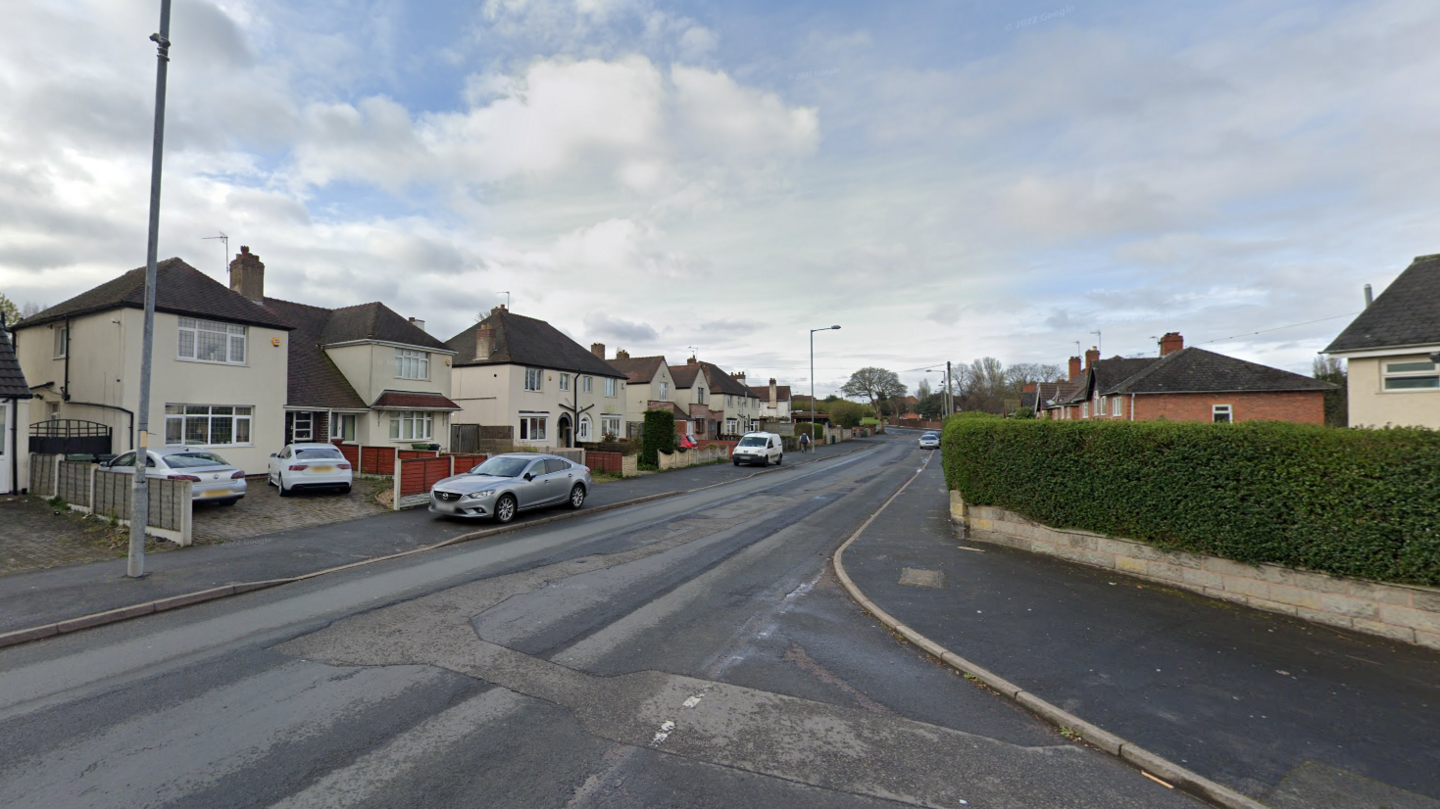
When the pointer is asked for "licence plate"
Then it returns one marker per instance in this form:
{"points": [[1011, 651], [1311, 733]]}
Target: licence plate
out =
{"points": [[322, 469], [215, 493]]}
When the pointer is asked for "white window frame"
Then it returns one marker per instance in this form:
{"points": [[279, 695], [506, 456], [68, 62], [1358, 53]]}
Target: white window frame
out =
{"points": [[1419, 368], [419, 424], [337, 426], [532, 428], [1116, 405], [610, 387], [664, 391], [412, 364], [181, 418], [235, 341], [534, 379], [731, 425], [582, 433], [1217, 410], [1104, 406], [1084, 410], [587, 383], [62, 342], [309, 430], [610, 424], [564, 382]]}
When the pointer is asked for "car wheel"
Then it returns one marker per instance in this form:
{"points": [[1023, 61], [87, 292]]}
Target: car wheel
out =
{"points": [[577, 496], [737, 463], [780, 460], [345, 490], [284, 492], [232, 501], [505, 508]]}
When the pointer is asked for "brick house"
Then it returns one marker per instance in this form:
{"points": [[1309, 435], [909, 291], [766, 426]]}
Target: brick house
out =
{"points": [[1392, 352], [774, 401], [649, 385], [720, 403], [1187, 384]]}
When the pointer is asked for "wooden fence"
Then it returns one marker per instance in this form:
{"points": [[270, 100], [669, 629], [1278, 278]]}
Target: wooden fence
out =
{"points": [[417, 474]]}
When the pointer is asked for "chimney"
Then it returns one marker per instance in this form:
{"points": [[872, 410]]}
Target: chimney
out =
{"points": [[1171, 342], [247, 275], [774, 393], [1074, 368], [622, 354], [1369, 296], [1091, 357], [738, 376], [417, 323], [598, 349], [498, 309], [484, 341], [690, 361]]}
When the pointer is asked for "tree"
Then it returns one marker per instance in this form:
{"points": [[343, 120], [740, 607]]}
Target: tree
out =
{"points": [[932, 406], [9, 310], [847, 414], [875, 384], [923, 389], [1337, 402]]}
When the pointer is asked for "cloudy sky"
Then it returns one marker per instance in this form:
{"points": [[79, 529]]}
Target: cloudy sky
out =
{"points": [[945, 180]]}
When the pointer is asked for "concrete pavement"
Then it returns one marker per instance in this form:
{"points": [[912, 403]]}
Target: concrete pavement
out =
{"points": [[1290, 713]]}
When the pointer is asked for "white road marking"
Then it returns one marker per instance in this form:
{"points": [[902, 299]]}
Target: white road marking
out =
{"points": [[692, 702], [662, 734]]}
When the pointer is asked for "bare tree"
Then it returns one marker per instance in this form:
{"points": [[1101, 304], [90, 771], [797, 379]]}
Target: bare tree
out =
{"points": [[1337, 402]]}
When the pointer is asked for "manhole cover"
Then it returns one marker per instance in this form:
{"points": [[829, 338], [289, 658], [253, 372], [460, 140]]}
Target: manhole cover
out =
{"points": [[915, 577]]}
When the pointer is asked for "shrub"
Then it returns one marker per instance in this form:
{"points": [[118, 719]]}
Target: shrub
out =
{"points": [[658, 436], [1359, 503]]}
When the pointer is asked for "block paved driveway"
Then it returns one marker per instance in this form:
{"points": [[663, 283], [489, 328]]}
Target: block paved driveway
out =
{"points": [[34, 536], [263, 511]]}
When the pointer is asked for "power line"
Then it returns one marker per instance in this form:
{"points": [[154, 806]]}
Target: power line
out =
{"points": [[1277, 328]]}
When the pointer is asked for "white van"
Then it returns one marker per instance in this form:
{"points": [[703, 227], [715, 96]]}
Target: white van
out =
{"points": [[759, 448]]}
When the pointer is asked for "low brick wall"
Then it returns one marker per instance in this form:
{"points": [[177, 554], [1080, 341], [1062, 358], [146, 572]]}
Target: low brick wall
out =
{"points": [[630, 466], [1396, 611]]}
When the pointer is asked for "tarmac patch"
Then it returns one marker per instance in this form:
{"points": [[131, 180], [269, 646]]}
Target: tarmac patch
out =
{"points": [[916, 577]]}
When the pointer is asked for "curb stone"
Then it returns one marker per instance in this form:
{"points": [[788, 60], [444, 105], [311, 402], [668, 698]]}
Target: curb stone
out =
{"points": [[1147, 762], [69, 625]]}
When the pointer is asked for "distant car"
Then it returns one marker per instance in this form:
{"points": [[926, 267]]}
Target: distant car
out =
{"points": [[507, 484], [759, 448], [212, 478], [309, 466], [930, 441], [685, 442]]}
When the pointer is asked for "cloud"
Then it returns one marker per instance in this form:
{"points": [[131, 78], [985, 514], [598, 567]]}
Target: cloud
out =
{"points": [[603, 325]]}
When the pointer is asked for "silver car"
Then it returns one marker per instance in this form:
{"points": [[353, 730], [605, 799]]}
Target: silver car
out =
{"points": [[212, 478], [930, 441], [507, 484]]}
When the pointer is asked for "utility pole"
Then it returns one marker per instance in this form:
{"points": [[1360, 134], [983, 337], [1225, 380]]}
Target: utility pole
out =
{"points": [[949, 395], [812, 380], [140, 491]]}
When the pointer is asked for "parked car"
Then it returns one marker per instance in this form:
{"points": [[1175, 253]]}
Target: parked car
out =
{"points": [[309, 466], [930, 441], [212, 478], [759, 448], [507, 484], [684, 442]]}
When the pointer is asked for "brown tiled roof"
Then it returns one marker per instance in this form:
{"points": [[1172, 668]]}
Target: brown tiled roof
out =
{"points": [[313, 380], [720, 381], [1195, 370], [1407, 313], [684, 375], [521, 340], [782, 392], [408, 400], [375, 321], [12, 381], [179, 289], [671, 406], [638, 369]]}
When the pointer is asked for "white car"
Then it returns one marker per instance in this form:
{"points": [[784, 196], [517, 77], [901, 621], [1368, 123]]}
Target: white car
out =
{"points": [[760, 449], [930, 441], [212, 478], [309, 466]]}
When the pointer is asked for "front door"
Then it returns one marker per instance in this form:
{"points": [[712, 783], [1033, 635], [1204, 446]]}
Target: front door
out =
{"points": [[565, 436]]}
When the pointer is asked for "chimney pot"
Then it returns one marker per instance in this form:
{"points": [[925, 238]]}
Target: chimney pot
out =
{"points": [[1091, 357], [417, 323], [598, 349], [622, 354], [1074, 368], [247, 275], [1171, 342]]}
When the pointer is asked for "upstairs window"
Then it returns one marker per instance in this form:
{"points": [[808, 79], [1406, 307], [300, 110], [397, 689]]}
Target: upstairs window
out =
{"points": [[1411, 375], [533, 377], [586, 383], [62, 342], [412, 364], [212, 341], [664, 391], [700, 395], [610, 387], [564, 382]]}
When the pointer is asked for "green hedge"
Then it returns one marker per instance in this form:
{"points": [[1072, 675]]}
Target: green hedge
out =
{"points": [[658, 435], [1359, 503]]}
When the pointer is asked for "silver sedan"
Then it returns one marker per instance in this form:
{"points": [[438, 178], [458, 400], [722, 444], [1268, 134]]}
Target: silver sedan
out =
{"points": [[507, 484], [930, 441], [212, 478]]}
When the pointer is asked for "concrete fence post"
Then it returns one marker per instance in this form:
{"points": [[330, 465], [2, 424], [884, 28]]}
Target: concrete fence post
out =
{"points": [[395, 484]]}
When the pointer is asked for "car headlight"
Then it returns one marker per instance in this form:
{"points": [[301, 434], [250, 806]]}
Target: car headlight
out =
{"points": [[481, 495]]}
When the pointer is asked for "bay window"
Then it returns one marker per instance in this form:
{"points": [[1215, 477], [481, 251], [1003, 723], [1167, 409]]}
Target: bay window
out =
{"points": [[207, 425], [411, 425]]}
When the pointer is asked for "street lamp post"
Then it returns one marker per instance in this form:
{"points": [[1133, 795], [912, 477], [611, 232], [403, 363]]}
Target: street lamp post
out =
{"points": [[812, 378]]}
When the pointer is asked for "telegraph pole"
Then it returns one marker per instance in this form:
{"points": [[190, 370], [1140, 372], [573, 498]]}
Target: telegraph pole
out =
{"points": [[140, 491]]}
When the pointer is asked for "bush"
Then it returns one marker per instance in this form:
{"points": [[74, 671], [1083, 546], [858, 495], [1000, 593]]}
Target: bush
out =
{"points": [[658, 436], [1358, 503]]}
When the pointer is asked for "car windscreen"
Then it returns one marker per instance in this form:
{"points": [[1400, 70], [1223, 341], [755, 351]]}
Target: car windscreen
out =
{"points": [[752, 441], [189, 460], [502, 467], [318, 453]]}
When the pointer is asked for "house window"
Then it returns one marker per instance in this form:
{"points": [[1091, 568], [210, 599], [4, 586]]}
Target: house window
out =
{"points": [[533, 377], [583, 433], [342, 427], [52, 411], [1115, 406], [1085, 410], [301, 427], [610, 387], [664, 391], [1411, 375], [700, 395], [410, 425], [564, 382], [62, 342], [586, 382], [1104, 405], [211, 341], [532, 428], [412, 364], [730, 426], [207, 425], [610, 425], [1220, 414]]}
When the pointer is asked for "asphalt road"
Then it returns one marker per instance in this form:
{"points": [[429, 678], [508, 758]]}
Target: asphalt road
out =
{"points": [[694, 651]]}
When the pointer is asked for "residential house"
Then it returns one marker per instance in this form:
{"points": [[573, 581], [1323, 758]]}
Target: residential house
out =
{"points": [[774, 401], [720, 404], [1392, 352], [523, 373], [1187, 384], [218, 373], [14, 418], [649, 386]]}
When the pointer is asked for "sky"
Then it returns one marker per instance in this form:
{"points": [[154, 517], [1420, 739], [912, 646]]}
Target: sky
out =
{"points": [[944, 180]]}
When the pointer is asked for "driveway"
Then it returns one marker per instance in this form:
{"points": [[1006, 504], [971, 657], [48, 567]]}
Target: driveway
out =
{"points": [[263, 511], [35, 535]]}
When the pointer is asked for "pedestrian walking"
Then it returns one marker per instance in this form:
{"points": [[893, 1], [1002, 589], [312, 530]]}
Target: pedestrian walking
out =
{"points": [[804, 442]]}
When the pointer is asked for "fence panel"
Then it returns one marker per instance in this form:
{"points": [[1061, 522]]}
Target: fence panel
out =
{"points": [[169, 510], [377, 460], [577, 454], [464, 438], [74, 483], [465, 461], [611, 463], [415, 476], [352, 454], [44, 475], [406, 454]]}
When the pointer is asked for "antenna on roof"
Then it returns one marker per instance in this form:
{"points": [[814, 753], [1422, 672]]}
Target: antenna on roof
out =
{"points": [[507, 298], [1098, 343], [694, 351], [224, 245]]}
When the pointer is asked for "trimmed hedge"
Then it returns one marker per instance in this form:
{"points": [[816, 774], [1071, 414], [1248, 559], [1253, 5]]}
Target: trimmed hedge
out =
{"points": [[657, 436], [1357, 503]]}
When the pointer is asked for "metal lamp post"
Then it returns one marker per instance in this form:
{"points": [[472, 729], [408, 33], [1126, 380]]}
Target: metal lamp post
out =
{"points": [[812, 378]]}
